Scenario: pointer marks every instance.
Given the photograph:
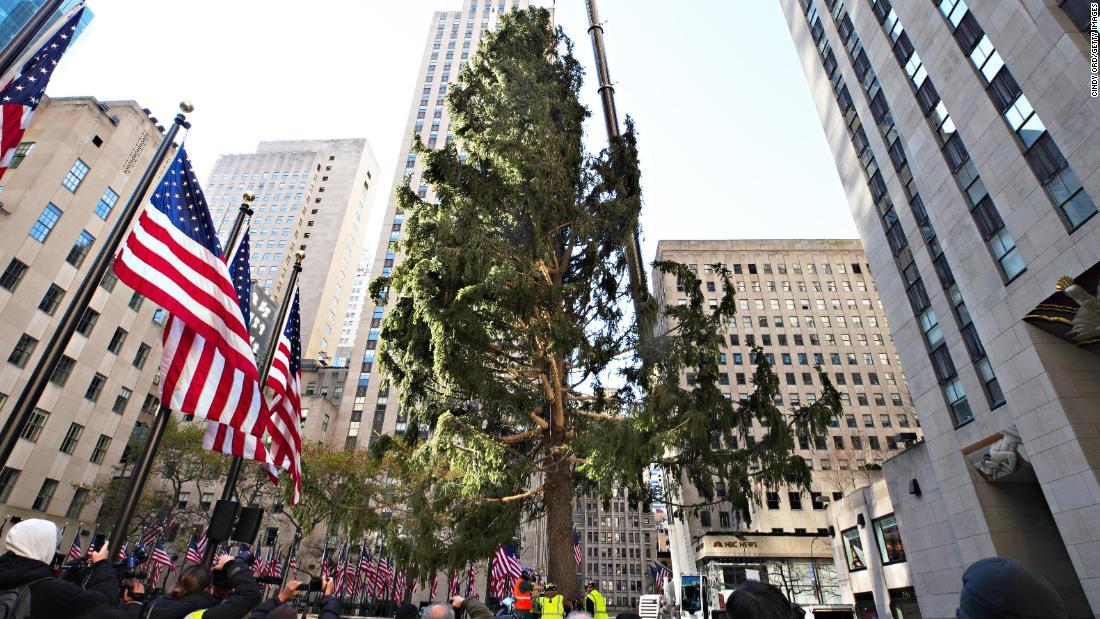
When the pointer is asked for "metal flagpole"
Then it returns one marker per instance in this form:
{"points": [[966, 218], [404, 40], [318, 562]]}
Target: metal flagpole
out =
{"points": [[265, 368], [293, 548], [23, 38], [633, 248], [51, 354]]}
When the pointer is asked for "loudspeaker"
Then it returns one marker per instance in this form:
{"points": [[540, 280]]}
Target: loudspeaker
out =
{"points": [[221, 521], [248, 524]]}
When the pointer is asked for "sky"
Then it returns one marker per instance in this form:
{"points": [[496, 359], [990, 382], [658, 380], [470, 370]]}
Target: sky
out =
{"points": [[730, 143]]}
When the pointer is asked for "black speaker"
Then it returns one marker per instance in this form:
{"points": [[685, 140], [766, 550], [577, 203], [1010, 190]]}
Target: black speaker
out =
{"points": [[248, 525], [270, 536], [221, 521]]}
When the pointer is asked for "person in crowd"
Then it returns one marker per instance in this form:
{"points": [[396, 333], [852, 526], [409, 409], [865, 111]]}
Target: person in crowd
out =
{"points": [[31, 544], [551, 603], [407, 611], [474, 608], [279, 607], [524, 591], [594, 604], [1004, 588], [192, 593], [579, 614], [133, 599], [753, 599]]}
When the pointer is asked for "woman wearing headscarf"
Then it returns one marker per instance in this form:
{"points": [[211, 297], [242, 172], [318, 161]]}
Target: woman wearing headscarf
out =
{"points": [[30, 548], [192, 592]]}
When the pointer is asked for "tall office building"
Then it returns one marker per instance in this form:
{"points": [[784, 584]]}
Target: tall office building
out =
{"points": [[311, 196], [452, 38], [965, 134], [76, 167], [14, 14], [806, 303]]}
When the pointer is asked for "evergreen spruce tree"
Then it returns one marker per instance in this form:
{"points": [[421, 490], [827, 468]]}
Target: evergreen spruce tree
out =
{"points": [[507, 336]]}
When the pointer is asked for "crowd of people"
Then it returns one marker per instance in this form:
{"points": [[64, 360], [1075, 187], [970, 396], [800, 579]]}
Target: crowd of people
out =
{"points": [[993, 588]]}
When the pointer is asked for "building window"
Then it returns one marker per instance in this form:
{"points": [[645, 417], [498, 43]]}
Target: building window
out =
{"points": [[8, 477], [890, 546], [135, 301], [21, 153], [142, 355], [109, 278], [46, 221], [45, 495], [72, 437], [63, 370], [100, 450], [13, 274], [106, 203], [80, 497], [796, 499], [34, 426], [206, 500], [75, 176], [704, 518], [95, 388], [23, 350], [80, 249], [117, 339], [51, 300], [853, 550], [87, 322], [772, 499], [121, 400]]}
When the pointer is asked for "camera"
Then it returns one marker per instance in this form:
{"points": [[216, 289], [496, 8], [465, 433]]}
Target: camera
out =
{"points": [[78, 570]]}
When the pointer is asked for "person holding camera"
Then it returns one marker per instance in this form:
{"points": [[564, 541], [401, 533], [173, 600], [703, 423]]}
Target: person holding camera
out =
{"points": [[25, 568], [191, 597], [279, 607]]}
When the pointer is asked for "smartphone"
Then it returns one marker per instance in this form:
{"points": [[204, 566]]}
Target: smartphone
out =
{"points": [[98, 540], [314, 584]]}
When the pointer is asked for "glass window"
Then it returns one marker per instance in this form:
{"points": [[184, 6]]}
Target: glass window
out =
{"points": [[853, 550], [106, 203], [63, 370], [45, 495], [95, 387], [80, 497], [13, 274], [23, 350], [890, 546], [100, 450], [75, 176], [72, 437], [46, 221], [21, 153], [52, 299], [8, 477], [34, 426], [87, 322]]}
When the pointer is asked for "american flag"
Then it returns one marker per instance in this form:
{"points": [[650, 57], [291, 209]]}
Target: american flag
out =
{"points": [[74, 550], [201, 544], [382, 576], [659, 573], [122, 552], [471, 575], [434, 587], [366, 572], [20, 97], [326, 570], [293, 567], [342, 569], [259, 566], [452, 586], [284, 381], [505, 569], [275, 566], [578, 556], [220, 437], [161, 562], [194, 554], [400, 583], [173, 257]]}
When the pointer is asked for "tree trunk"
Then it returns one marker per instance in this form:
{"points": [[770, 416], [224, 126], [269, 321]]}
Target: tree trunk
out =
{"points": [[558, 500]]}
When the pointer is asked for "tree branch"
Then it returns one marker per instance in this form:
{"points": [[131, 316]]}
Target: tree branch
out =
{"points": [[522, 436], [514, 497]]}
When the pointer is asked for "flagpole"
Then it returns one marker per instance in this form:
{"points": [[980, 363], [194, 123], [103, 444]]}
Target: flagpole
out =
{"points": [[238, 224], [265, 368], [23, 38], [36, 383], [293, 548]]}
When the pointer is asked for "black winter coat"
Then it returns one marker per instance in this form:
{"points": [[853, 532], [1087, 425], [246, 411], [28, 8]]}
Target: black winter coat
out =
{"points": [[55, 598], [330, 608], [243, 598]]}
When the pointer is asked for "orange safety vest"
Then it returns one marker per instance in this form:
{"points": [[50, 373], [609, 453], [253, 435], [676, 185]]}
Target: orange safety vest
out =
{"points": [[523, 600]]}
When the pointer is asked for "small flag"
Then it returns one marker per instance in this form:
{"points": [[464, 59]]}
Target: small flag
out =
{"points": [[194, 555], [74, 550], [434, 586], [578, 556], [452, 587], [471, 574]]}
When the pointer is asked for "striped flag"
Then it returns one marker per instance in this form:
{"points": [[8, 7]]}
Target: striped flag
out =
{"points": [[434, 586], [194, 555], [293, 567], [173, 257], [659, 573], [366, 572], [74, 550], [471, 574], [383, 576], [505, 569], [326, 569], [21, 96], [400, 583], [578, 555], [221, 437], [122, 552], [259, 566], [452, 586], [284, 382], [342, 569], [201, 544]]}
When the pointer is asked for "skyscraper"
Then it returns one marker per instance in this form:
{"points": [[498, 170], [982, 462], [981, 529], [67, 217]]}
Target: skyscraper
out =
{"points": [[14, 14], [807, 304], [452, 38], [966, 134], [311, 196], [76, 167]]}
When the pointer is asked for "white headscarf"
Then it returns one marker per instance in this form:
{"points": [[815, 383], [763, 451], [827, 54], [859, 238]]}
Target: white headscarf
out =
{"points": [[34, 539]]}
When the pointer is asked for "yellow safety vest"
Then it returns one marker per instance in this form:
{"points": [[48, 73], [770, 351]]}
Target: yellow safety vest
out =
{"points": [[552, 606], [196, 615], [599, 606]]}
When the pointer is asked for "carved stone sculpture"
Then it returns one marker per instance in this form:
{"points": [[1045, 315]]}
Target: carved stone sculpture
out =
{"points": [[1003, 456], [1086, 321]]}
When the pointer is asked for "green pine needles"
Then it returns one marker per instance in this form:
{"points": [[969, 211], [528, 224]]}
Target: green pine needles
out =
{"points": [[507, 336]]}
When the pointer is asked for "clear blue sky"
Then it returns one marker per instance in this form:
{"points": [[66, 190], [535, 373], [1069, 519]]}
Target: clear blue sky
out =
{"points": [[730, 143]]}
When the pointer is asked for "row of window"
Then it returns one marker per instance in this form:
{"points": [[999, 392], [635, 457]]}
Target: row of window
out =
{"points": [[897, 239], [890, 547], [9, 477], [781, 268], [814, 338]]}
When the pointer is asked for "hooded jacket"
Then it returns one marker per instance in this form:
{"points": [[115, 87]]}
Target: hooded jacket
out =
{"points": [[243, 598], [1004, 588], [54, 598]]}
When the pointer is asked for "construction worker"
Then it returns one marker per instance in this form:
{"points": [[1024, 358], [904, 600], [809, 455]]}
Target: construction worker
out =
{"points": [[524, 591], [594, 603], [551, 603]]}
